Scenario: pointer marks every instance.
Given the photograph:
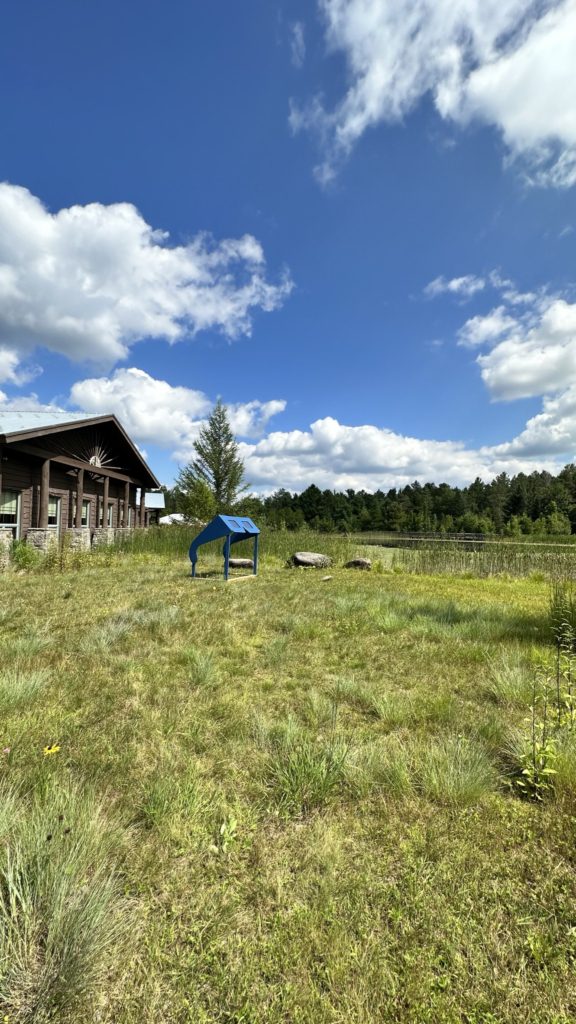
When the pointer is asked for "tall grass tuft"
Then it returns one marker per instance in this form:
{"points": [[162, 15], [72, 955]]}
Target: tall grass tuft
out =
{"points": [[202, 667], [170, 541], [454, 771], [31, 640], [509, 681], [62, 915], [304, 775], [385, 765], [19, 687], [112, 630], [450, 770], [174, 803]]}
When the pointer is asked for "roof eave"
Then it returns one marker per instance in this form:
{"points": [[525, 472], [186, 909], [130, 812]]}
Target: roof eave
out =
{"points": [[25, 435]]}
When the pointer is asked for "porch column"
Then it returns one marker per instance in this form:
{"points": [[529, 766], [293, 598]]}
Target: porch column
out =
{"points": [[126, 519], [105, 501], [44, 494], [79, 497], [142, 506]]}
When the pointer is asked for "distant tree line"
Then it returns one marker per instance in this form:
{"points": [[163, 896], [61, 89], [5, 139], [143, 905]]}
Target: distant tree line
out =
{"points": [[535, 503]]}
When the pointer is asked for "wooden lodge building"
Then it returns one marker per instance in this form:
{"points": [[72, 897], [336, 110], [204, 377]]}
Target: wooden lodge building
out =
{"points": [[64, 472]]}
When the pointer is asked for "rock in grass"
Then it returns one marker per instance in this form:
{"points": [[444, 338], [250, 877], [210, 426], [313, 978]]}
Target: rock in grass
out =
{"points": [[358, 563], [241, 563], [326, 578], [311, 560]]}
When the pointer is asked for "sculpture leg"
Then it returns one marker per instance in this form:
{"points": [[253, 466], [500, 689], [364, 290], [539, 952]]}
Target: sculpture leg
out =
{"points": [[227, 558]]}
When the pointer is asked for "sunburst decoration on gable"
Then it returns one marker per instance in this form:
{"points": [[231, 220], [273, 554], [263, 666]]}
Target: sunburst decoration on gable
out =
{"points": [[89, 447]]}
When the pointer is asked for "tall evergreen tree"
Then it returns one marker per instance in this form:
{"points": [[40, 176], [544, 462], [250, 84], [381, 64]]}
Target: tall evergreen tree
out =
{"points": [[217, 465]]}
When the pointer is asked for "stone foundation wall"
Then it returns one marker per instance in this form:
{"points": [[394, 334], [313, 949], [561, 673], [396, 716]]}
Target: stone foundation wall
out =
{"points": [[5, 545], [42, 540], [78, 538], [103, 535]]}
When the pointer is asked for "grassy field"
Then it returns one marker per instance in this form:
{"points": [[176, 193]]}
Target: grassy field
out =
{"points": [[281, 799]]}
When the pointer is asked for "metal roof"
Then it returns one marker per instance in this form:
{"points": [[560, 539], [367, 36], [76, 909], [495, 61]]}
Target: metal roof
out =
{"points": [[153, 500], [18, 425], [12, 421]]}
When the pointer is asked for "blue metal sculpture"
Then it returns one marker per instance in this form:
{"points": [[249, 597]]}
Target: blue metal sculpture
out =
{"points": [[233, 529]]}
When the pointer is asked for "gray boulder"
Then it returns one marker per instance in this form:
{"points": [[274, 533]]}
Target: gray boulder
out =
{"points": [[311, 560], [241, 563], [358, 563]]}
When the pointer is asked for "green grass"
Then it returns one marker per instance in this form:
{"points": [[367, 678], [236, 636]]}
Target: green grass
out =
{"points": [[552, 559], [19, 687], [289, 801], [62, 912]]}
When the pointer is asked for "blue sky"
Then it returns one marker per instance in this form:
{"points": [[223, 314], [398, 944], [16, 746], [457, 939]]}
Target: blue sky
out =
{"points": [[353, 220]]}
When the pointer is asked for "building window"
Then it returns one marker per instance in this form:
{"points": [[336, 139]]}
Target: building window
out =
{"points": [[85, 513], [10, 511], [54, 512], [109, 515]]}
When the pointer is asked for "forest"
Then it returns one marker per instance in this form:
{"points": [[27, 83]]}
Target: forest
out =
{"points": [[527, 504]]}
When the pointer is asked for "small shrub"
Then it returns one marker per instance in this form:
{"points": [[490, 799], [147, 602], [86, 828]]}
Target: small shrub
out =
{"points": [[535, 758], [534, 752], [565, 766], [24, 556], [562, 607]]}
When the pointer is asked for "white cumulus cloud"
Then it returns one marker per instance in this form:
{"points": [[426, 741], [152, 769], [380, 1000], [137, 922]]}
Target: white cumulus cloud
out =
{"points": [[507, 62], [329, 454], [250, 419], [9, 362], [549, 433], [157, 412], [536, 356], [337, 456], [529, 343], [465, 287], [151, 410], [89, 281], [481, 329]]}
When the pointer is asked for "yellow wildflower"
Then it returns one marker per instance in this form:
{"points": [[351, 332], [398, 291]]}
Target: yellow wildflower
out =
{"points": [[53, 748]]}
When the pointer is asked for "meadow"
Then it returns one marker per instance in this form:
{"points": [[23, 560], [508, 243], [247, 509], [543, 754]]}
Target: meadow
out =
{"points": [[284, 800]]}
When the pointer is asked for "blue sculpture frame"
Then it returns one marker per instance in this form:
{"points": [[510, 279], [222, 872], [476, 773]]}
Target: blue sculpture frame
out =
{"points": [[233, 529]]}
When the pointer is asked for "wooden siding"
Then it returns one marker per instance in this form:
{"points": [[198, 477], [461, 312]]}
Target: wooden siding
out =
{"points": [[21, 473]]}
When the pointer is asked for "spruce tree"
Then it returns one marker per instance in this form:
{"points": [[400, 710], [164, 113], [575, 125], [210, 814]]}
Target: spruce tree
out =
{"points": [[217, 465]]}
